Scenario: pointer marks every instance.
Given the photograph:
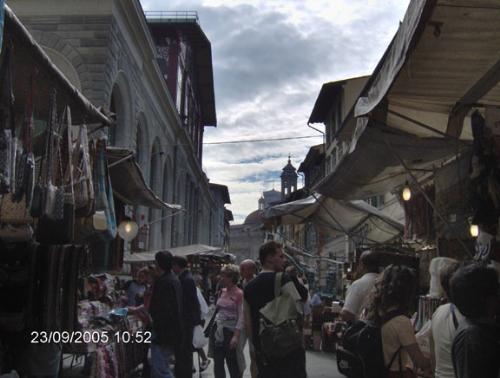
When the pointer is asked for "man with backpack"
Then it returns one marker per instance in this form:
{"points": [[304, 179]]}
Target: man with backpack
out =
{"points": [[272, 316]]}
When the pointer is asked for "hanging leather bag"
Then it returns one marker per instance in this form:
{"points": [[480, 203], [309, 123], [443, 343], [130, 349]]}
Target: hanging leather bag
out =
{"points": [[83, 184], [105, 197], [25, 171], [103, 222], [61, 231]]}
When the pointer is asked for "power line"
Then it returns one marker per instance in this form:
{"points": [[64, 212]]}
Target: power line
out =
{"points": [[263, 140]]}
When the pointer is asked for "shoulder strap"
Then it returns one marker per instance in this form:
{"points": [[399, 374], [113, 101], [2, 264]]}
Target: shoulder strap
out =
{"points": [[393, 358], [277, 284], [454, 316], [390, 315]]}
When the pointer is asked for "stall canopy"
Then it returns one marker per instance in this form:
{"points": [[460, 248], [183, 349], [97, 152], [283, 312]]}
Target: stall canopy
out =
{"points": [[188, 250], [373, 166], [128, 181], [337, 217], [443, 61], [29, 59]]}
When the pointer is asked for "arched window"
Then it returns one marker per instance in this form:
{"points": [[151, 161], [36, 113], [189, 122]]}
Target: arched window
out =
{"points": [[120, 105]]}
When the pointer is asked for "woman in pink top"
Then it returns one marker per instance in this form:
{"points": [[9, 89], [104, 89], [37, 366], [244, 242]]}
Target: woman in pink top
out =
{"points": [[229, 322]]}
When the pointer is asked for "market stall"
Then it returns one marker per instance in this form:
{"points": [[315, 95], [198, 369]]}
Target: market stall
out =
{"points": [[56, 200]]}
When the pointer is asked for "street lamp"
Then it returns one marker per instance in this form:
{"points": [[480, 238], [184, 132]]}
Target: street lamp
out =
{"points": [[128, 228]]}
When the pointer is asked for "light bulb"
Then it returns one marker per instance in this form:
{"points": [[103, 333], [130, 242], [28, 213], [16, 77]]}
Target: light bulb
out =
{"points": [[406, 193], [474, 230], [128, 227]]}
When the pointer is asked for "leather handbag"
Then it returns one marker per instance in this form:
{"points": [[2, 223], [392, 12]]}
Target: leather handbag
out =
{"points": [[106, 194], [14, 213], [25, 171], [103, 221], [61, 229], [38, 208], [83, 184]]}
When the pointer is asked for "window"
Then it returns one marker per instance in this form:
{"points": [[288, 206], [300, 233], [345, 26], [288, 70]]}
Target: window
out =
{"points": [[376, 201]]}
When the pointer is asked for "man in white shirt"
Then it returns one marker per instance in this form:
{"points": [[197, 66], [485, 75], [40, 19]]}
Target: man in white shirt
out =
{"points": [[361, 288]]}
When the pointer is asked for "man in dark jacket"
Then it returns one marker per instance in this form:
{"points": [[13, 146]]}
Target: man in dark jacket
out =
{"points": [[166, 312], [191, 318]]}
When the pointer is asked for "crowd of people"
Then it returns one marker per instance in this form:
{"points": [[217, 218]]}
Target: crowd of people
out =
{"points": [[465, 334], [169, 301], [464, 338]]}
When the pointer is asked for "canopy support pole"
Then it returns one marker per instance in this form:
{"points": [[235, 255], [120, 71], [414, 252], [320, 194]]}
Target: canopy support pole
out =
{"points": [[422, 191], [423, 125]]}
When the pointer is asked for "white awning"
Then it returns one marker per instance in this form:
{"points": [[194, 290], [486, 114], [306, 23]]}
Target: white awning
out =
{"points": [[187, 250], [337, 217], [128, 181]]}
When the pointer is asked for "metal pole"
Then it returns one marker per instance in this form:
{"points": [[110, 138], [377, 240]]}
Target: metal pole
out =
{"points": [[419, 187], [424, 126]]}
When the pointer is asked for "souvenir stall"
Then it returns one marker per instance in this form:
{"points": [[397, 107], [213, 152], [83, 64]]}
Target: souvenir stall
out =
{"points": [[55, 196], [204, 261]]}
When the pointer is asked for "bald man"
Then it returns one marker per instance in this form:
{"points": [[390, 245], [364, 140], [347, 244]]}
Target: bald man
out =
{"points": [[247, 272]]}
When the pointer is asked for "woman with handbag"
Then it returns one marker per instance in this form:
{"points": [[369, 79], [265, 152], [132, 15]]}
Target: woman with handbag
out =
{"points": [[228, 324], [392, 297]]}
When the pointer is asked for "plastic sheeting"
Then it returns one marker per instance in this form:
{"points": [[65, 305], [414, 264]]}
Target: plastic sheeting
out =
{"points": [[336, 217], [128, 181], [393, 60], [372, 167]]}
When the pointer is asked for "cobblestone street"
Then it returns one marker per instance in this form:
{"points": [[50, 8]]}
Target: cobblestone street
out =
{"points": [[319, 365]]}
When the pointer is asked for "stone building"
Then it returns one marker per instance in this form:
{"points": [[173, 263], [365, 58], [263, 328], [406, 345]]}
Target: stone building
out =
{"points": [[221, 197], [111, 52]]}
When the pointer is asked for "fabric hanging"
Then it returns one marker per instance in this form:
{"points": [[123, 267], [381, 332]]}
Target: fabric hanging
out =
{"points": [[419, 216]]}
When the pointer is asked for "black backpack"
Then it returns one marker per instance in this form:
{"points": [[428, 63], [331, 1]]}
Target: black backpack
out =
{"points": [[361, 354]]}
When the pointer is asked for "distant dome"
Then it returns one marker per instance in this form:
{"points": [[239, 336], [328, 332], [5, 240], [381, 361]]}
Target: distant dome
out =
{"points": [[255, 217]]}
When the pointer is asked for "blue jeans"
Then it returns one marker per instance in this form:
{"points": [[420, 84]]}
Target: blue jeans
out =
{"points": [[160, 358]]}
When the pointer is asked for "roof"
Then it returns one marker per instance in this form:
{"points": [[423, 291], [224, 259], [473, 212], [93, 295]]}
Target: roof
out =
{"points": [[324, 101], [255, 217], [314, 155], [202, 49], [29, 57], [221, 189]]}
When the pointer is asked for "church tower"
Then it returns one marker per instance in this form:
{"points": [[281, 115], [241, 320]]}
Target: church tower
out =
{"points": [[262, 203], [288, 179]]}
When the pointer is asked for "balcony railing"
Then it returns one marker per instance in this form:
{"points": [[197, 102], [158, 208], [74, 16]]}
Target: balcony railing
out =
{"points": [[172, 16]]}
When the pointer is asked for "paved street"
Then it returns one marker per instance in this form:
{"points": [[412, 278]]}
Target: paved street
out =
{"points": [[319, 365]]}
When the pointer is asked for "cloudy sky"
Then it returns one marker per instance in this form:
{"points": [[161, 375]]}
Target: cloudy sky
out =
{"points": [[270, 59]]}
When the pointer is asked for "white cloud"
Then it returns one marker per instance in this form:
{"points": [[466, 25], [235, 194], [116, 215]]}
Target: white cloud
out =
{"points": [[270, 59]]}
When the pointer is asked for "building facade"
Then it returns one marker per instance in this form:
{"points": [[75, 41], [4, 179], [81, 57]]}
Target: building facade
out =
{"points": [[218, 221], [111, 52]]}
